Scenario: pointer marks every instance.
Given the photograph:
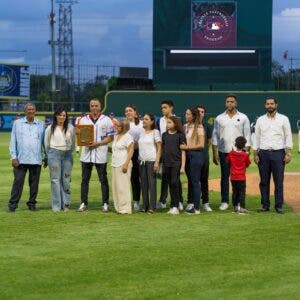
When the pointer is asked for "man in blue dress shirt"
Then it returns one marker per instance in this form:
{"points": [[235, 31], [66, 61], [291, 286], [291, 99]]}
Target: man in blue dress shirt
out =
{"points": [[27, 138]]}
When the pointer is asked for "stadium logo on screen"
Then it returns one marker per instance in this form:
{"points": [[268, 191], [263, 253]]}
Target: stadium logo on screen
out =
{"points": [[213, 24], [8, 79]]}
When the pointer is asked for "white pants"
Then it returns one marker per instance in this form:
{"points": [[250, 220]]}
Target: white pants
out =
{"points": [[121, 189], [299, 139]]}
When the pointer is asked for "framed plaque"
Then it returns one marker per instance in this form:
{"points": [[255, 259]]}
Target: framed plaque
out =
{"points": [[86, 135]]}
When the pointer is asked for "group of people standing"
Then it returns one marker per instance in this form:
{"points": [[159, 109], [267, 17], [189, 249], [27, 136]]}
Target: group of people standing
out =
{"points": [[143, 149]]}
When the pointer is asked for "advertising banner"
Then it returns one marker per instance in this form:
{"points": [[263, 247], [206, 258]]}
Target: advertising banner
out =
{"points": [[214, 24], [14, 81]]}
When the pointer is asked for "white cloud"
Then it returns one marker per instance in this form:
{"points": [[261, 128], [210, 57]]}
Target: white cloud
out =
{"points": [[286, 26], [290, 12], [13, 60]]}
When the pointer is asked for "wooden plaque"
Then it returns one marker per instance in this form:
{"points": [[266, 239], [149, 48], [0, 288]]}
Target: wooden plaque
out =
{"points": [[86, 135]]}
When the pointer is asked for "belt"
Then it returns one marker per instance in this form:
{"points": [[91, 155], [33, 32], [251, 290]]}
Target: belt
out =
{"points": [[271, 150]]}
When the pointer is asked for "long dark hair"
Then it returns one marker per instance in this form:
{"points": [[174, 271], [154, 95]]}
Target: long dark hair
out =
{"points": [[197, 121], [152, 119], [57, 112], [177, 123], [136, 118]]}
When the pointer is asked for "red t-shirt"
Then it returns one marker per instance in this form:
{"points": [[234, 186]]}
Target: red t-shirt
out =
{"points": [[239, 161]]}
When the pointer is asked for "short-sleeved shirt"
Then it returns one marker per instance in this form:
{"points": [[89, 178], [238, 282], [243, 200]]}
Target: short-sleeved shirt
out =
{"points": [[147, 145], [189, 134], [171, 148], [103, 128], [120, 149], [238, 161], [135, 130]]}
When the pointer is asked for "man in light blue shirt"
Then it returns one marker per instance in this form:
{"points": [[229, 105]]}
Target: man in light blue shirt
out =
{"points": [[26, 145]]}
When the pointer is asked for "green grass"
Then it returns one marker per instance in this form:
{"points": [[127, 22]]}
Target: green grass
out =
{"points": [[216, 255]]}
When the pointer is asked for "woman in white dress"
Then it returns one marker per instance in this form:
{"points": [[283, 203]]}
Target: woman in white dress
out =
{"points": [[122, 151]]}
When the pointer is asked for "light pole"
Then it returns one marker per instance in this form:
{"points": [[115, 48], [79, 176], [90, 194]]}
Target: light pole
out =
{"points": [[52, 44]]}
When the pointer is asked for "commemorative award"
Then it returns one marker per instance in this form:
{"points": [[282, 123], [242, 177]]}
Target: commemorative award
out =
{"points": [[86, 135]]}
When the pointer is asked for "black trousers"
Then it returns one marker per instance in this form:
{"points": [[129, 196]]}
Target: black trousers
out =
{"points": [[238, 192], [17, 188], [135, 177], [86, 171], [164, 189], [148, 185], [173, 179]]}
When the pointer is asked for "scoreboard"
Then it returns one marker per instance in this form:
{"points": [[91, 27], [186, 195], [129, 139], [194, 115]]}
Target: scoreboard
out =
{"points": [[212, 45]]}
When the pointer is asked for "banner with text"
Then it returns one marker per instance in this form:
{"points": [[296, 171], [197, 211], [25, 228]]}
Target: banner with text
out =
{"points": [[14, 81]]}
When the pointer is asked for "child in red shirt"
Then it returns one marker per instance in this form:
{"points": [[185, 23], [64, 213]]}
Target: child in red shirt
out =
{"points": [[239, 161]]}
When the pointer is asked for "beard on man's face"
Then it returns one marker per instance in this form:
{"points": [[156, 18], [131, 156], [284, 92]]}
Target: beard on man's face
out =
{"points": [[270, 109]]}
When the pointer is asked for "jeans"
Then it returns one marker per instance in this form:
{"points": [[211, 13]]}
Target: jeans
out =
{"points": [[60, 165], [86, 169], [148, 185], [225, 173], [194, 163], [17, 188], [204, 180], [204, 183], [271, 162]]}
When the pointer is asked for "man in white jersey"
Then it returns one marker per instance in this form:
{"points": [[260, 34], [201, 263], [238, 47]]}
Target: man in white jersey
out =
{"points": [[96, 154]]}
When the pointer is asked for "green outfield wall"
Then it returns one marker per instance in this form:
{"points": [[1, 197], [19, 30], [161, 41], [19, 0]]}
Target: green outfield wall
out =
{"points": [[249, 102]]}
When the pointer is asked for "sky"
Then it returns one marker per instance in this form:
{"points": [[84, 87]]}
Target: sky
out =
{"points": [[113, 32]]}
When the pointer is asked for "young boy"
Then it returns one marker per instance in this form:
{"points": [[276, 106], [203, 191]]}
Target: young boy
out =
{"points": [[239, 161]]}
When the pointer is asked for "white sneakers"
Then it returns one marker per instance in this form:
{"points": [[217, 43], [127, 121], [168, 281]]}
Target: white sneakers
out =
{"points": [[160, 205], [180, 206], [105, 207], [173, 211], [223, 206], [136, 206], [82, 207], [206, 207], [189, 207]]}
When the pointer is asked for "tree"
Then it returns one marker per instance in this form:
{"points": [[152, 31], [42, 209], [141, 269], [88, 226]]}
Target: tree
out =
{"points": [[279, 76]]}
